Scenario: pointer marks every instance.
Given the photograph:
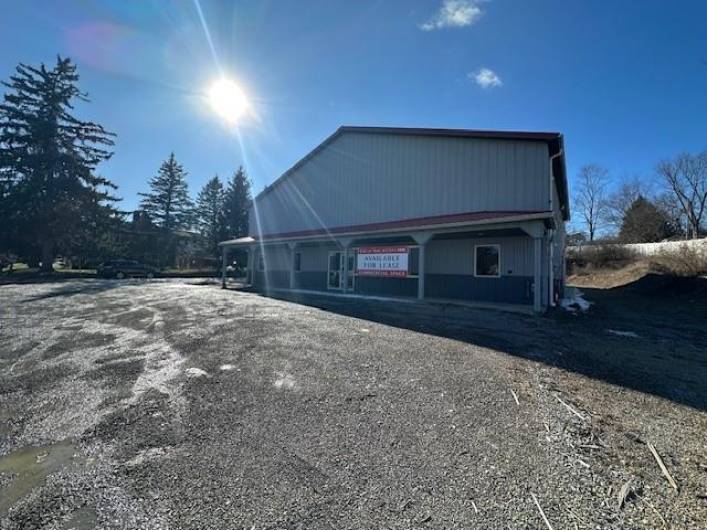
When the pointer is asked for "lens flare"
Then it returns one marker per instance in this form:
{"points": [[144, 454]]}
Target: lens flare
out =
{"points": [[228, 100]]}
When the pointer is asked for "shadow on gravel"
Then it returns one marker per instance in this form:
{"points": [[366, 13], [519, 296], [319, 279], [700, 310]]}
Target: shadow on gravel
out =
{"points": [[74, 288], [649, 336]]}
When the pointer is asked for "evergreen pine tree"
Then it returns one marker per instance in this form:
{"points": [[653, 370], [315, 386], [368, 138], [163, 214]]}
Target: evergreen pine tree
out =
{"points": [[168, 203], [51, 195], [210, 218], [238, 201], [644, 222]]}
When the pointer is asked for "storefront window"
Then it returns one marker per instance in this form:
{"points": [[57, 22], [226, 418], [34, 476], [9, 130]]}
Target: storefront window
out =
{"points": [[487, 261]]}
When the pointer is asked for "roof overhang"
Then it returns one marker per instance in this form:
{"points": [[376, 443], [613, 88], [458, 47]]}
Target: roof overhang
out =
{"points": [[238, 242], [442, 223]]}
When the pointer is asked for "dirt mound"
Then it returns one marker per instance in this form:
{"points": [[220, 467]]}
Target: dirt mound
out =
{"points": [[638, 278], [608, 278]]}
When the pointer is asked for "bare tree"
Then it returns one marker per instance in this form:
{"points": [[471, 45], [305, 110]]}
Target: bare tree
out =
{"points": [[618, 202], [667, 202], [590, 197], [686, 178]]}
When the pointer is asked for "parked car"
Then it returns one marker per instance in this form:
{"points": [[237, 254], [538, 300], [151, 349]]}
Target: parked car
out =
{"points": [[124, 268]]}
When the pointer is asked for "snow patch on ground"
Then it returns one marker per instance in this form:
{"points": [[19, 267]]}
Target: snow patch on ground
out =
{"points": [[620, 333], [196, 372], [574, 301], [226, 367], [284, 381]]}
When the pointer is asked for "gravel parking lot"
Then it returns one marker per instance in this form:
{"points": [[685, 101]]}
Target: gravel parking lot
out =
{"points": [[175, 404]]}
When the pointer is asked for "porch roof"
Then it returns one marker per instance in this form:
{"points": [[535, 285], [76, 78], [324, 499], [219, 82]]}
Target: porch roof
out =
{"points": [[459, 220]]}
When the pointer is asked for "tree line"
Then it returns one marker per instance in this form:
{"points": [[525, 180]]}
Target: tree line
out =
{"points": [[633, 212], [218, 213], [53, 200]]}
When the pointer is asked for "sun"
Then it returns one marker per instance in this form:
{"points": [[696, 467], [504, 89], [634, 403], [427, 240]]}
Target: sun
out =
{"points": [[228, 100]]}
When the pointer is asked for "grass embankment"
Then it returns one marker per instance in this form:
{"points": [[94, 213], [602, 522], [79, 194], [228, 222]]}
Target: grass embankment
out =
{"points": [[609, 266]]}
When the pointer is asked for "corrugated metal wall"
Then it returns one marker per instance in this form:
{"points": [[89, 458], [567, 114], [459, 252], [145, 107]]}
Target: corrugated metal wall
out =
{"points": [[364, 178], [315, 258], [277, 258], [456, 256]]}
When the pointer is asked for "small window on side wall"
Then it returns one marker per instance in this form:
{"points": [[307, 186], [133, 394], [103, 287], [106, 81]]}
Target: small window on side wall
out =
{"points": [[261, 263], [487, 261], [298, 262]]}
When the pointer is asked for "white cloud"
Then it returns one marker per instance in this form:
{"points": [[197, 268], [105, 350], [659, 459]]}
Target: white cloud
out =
{"points": [[486, 78], [454, 14]]}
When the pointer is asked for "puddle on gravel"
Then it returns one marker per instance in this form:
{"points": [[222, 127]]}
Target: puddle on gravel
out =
{"points": [[29, 467]]}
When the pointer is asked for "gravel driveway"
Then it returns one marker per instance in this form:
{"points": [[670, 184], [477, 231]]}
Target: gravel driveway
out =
{"points": [[175, 404]]}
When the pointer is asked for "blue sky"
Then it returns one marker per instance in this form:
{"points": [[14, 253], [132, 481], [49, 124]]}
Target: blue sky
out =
{"points": [[624, 81]]}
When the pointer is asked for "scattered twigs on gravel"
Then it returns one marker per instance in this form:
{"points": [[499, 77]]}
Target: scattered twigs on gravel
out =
{"points": [[624, 492], [542, 513], [515, 396], [578, 460], [570, 408], [652, 507], [664, 469]]}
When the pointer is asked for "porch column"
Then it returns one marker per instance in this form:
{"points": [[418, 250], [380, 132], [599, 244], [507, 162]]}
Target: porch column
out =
{"points": [[345, 244], [421, 238], [254, 264], [224, 253], [250, 259], [536, 230], [292, 264], [537, 274]]}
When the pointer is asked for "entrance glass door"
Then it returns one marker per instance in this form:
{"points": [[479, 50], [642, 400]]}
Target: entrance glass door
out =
{"points": [[335, 273]]}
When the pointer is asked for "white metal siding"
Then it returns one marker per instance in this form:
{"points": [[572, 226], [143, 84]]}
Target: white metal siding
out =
{"points": [[456, 256], [277, 258], [366, 178]]}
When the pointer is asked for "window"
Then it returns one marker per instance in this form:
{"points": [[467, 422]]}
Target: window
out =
{"points": [[261, 263], [487, 261], [298, 262]]}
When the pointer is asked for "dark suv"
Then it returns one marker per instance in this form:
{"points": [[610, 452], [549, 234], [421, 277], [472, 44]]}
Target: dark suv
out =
{"points": [[123, 268]]}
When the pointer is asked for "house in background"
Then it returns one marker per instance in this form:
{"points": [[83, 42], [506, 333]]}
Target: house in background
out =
{"points": [[438, 214], [142, 240]]}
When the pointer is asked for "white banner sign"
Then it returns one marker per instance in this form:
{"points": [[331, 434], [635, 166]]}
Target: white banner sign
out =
{"points": [[382, 261]]}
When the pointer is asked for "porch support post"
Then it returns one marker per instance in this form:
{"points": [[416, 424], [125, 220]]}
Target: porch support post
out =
{"points": [[224, 253], [292, 264], [421, 238], [537, 276], [249, 265], [254, 263], [345, 244], [536, 230]]}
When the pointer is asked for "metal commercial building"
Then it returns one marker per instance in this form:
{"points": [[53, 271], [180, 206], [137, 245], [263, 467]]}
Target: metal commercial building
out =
{"points": [[435, 214]]}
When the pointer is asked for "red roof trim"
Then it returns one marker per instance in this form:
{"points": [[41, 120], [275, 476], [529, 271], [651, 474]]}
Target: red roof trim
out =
{"points": [[405, 223]]}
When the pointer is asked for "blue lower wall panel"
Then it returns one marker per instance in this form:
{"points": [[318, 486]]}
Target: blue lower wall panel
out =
{"points": [[377, 286], [274, 280], [506, 289], [311, 280]]}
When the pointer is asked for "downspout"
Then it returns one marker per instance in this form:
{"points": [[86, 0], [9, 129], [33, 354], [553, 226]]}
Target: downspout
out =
{"points": [[552, 179], [551, 267], [551, 236]]}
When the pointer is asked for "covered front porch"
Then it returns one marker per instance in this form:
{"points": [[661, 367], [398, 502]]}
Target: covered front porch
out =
{"points": [[477, 264]]}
